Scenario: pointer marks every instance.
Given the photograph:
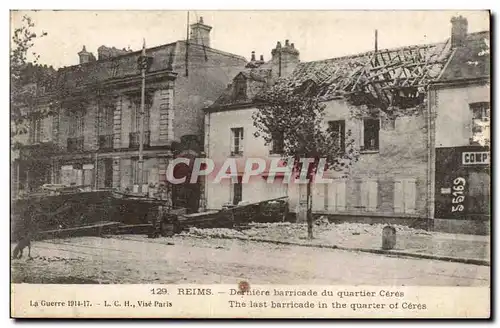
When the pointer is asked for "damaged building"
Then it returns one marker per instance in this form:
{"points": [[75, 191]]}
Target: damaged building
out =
{"points": [[410, 152]]}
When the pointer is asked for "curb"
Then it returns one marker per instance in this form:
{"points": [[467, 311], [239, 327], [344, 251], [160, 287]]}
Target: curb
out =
{"points": [[368, 250]]}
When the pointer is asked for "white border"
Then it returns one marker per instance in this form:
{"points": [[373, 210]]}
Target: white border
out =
{"points": [[213, 4]]}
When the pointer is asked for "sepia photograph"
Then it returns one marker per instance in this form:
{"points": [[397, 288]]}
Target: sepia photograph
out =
{"points": [[243, 154]]}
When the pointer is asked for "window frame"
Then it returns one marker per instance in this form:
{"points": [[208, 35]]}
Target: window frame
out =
{"points": [[483, 122], [237, 151], [340, 130], [274, 149], [376, 147]]}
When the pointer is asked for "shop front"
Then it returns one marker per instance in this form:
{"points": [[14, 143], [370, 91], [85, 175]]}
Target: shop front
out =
{"points": [[462, 194]]}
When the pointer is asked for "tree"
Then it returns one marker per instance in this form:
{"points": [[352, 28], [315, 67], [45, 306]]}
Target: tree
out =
{"points": [[23, 38], [295, 115]]}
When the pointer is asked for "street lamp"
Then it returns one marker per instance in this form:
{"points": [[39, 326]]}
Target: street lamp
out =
{"points": [[144, 63]]}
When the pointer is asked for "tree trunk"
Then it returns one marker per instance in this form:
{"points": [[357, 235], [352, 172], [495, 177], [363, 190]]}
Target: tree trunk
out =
{"points": [[309, 211]]}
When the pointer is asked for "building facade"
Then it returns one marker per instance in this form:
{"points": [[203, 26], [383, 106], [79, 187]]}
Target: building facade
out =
{"points": [[395, 178], [91, 139], [460, 103]]}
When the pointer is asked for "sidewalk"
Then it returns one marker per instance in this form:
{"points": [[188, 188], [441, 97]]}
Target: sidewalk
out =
{"points": [[470, 249]]}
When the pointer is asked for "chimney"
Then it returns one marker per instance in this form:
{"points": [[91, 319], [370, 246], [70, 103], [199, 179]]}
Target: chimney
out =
{"points": [[200, 33], [85, 56], [253, 56], [284, 59], [459, 27], [104, 52]]}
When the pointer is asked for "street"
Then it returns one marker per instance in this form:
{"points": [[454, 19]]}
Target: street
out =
{"points": [[135, 259]]}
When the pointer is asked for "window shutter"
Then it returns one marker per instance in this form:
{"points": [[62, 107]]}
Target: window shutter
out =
{"points": [[332, 197], [326, 192], [364, 195], [398, 196], [340, 195], [409, 194], [318, 197], [372, 195]]}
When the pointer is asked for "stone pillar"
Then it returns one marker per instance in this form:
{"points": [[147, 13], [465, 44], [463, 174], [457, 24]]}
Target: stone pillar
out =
{"points": [[166, 116], [117, 126]]}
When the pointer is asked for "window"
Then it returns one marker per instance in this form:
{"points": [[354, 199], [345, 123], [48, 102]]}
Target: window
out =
{"points": [[338, 133], [480, 123], [236, 141], [278, 143], [135, 173], [371, 128], [336, 196], [237, 192], [106, 113], [36, 130], [404, 196], [88, 175], [76, 124], [240, 89], [369, 195], [137, 118]]}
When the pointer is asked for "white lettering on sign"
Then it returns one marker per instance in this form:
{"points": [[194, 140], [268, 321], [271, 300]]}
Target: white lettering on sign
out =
{"points": [[458, 195], [475, 157]]}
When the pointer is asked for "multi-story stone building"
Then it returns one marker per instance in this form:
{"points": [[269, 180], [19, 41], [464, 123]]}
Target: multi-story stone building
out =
{"points": [[92, 139], [394, 179]]}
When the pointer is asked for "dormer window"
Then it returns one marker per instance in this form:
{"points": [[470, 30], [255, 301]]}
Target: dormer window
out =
{"points": [[240, 89]]}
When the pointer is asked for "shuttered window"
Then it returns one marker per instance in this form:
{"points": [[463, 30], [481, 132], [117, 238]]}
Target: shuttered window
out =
{"points": [[369, 195], [404, 196], [135, 173], [336, 196]]}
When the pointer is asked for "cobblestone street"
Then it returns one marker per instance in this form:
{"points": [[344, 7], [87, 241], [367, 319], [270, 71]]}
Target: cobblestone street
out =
{"points": [[182, 259]]}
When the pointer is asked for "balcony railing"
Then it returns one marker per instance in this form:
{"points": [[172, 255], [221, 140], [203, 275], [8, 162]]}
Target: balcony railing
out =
{"points": [[106, 141], [75, 144], [134, 139]]}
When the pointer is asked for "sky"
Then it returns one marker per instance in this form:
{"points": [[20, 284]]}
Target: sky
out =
{"points": [[316, 34]]}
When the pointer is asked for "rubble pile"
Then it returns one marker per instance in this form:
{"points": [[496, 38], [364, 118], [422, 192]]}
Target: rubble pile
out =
{"points": [[214, 233], [323, 230]]}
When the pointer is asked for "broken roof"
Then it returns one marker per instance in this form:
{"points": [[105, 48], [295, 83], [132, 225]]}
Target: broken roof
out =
{"points": [[374, 77], [382, 78]]}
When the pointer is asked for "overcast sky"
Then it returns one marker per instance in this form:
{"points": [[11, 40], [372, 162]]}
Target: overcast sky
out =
{"points": [[316, 34]]}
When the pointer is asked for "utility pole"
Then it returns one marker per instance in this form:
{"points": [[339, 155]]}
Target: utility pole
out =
{"points": [[187, 45], [141, 115]]}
